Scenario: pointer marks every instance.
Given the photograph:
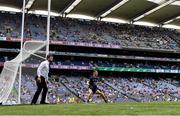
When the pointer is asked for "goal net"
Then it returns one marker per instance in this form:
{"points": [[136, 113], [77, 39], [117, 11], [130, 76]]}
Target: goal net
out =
{"points": [[9, 77]]}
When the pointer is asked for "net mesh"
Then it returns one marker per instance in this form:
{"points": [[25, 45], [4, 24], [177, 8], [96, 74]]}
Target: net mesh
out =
{"points": [[29, 71], [9, 75]]}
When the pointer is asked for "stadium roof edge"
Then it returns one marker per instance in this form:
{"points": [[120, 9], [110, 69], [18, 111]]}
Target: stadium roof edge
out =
{"points": [[72, 6], [114, 7], [29, 4], [121, 13], [163, 4]]}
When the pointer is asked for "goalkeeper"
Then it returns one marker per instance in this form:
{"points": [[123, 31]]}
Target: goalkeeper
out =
{"points": [[93, 89], [41, 80]]}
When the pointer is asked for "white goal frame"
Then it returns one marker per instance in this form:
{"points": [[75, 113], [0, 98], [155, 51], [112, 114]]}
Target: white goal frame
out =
{"points": [[22, 40]]}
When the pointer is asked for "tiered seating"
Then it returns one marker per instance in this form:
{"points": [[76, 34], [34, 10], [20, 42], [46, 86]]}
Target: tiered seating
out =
{"points": [[65, 29]]}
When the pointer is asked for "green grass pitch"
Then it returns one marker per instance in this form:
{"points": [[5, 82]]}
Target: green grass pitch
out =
{"points": [[154, 108]]}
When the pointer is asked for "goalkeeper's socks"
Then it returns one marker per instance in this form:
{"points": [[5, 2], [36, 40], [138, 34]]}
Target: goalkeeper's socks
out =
{"points": [[0, 103]]}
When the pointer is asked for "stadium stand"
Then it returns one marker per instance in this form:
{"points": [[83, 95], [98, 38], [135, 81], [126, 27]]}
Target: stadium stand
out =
{"points": [[74, 30], [90, 57], [103, 63], [122, 89], [74, 89]]}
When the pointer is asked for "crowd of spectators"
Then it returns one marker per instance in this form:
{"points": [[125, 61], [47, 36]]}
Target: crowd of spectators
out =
{"points": [[76, 30], [123, 64], [102, 63], [74, 89], [57, 93], [147, 89], [122, 89]]}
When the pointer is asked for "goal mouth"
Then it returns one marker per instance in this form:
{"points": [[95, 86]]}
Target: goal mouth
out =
{"points": [[10, 70]]}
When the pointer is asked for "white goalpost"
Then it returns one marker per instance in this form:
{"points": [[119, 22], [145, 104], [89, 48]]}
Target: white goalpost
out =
{"points": [[12, 70], [20, 66], [48, 26], [48, 31]]}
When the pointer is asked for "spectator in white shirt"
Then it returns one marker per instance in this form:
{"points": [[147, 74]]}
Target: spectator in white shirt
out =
{"points": [[41, 80]]}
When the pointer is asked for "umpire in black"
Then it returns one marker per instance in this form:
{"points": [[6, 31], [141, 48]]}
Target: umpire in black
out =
{"points": [[41, 79]]}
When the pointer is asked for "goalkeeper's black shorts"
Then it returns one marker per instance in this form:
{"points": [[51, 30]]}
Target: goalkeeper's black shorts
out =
{"points": [[94, 88]]}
